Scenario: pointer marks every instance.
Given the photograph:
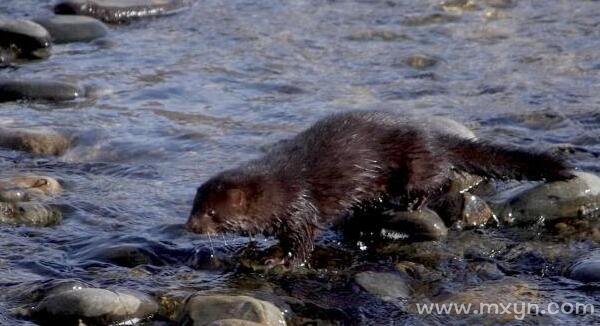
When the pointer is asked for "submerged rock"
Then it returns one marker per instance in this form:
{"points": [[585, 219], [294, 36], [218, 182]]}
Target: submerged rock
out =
{"points": [[23, 188], [233, 322], [54, 91], [29, 213], [422, 224], [73, 28], [206, 309], [23, 39], [92, 306], [387, 286], [119, 11], [421, 62], [34, 141], [586, 269], [508, 290], [577, 197]]}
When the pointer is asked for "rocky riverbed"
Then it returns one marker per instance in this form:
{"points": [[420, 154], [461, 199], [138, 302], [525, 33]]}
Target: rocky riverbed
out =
{"points": [[113, 112]]}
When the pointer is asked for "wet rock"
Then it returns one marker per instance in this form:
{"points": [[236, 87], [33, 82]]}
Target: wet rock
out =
{"points": [[463, 210], [447, 126], [24, 188], [92, 306], [578, 197], [422, 224], [205, 309], [508, 290], [113, 11], [29, 213], [586, 269], [34, 141], [421, 62], [459, 5], [73, 28], [417, 271], [52, 91], [387, 286], [23, 39]]}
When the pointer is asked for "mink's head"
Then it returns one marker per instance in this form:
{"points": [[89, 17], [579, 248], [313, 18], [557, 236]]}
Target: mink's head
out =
{"points": [[228, 203]]}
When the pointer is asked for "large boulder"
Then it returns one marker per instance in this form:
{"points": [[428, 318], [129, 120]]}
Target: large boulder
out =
{"points": [[548, 202], [92, 306], [29, 213], [119, 11], [73, 28], [23, 39], [37, 141], [38, 90]]}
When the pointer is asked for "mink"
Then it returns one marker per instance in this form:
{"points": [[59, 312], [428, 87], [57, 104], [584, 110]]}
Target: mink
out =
{"points": [[309, 182]]}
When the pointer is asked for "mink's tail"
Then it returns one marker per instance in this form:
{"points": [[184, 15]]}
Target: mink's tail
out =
{"points": [[502, 162]]}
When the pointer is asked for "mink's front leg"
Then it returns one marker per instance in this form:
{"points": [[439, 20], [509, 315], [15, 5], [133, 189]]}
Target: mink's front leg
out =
{"points": [[296, 237]]}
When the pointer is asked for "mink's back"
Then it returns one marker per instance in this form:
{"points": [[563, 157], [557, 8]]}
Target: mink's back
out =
{"points": [[345, 158]]}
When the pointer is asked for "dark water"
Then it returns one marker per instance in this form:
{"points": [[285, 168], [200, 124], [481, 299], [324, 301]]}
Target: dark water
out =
{"points": [[183, 97]]}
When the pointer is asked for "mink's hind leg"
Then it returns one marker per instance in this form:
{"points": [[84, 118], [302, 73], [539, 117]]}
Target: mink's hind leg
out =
{"points": [[424, 174]]}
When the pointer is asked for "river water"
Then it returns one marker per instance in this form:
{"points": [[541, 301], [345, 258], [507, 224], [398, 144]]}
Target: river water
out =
{"points": [[179, 98]]}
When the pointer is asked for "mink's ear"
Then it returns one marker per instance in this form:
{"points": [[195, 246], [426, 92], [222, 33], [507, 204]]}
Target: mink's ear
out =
{"points": [[237, 198]]}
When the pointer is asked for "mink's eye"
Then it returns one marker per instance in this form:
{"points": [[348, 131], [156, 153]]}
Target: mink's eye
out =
{"points": [[212, 213]]}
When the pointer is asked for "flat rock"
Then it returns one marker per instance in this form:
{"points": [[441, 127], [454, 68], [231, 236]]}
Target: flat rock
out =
{"points": [[73, 28], [578, 197], [23, 39], [422, 224], [233, 322], [119, 11], [92, 306], [206, 309], [586, 269], [34, 141], [53, 91], [387, 286], [29, 213]]}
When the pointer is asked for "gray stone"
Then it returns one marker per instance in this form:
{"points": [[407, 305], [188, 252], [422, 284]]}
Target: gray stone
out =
{"points": [[29, 213], [386, 286], [13, 90], [577, 197], [24, 188], [447, 126], [422, 224], [206, 309], [586, 269], [73, 28], [475, 212], [92, 306], [119, 11], [34, 141], [23, 39]]}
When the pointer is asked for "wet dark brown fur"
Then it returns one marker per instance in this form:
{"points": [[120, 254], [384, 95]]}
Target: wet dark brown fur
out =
{"points": [[307, 183]]}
